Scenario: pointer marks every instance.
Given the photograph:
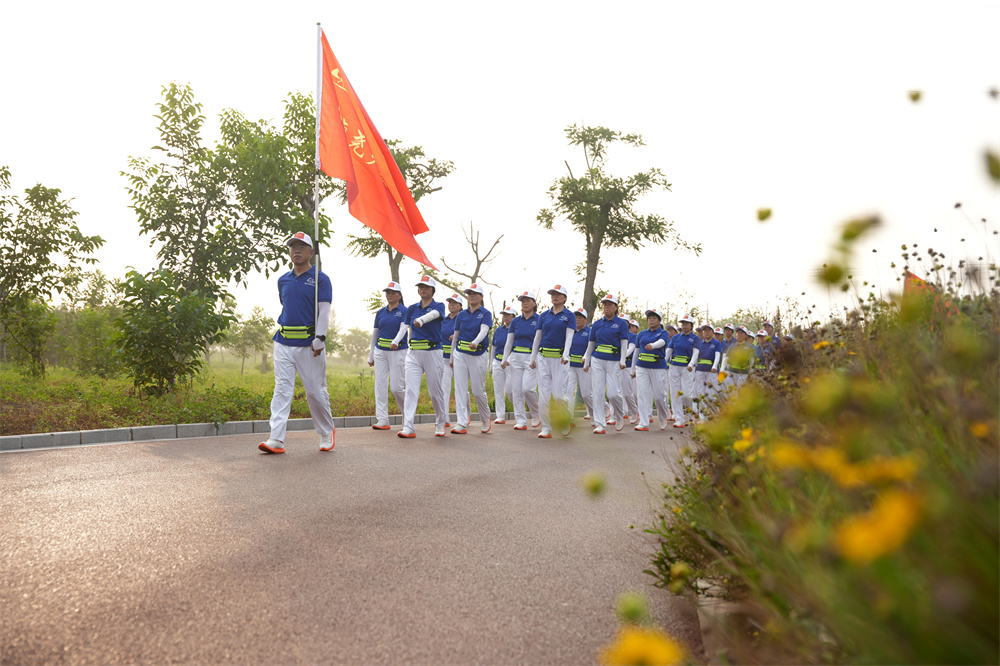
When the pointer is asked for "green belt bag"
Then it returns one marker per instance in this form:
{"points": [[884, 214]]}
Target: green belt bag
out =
{"points": [[296, 332], [465, 346], [522, 350], [649, 358], [420, 345], [680, 359], [549, 352], [706, 361], [575, 359], [384, 343], [498, 357], [608, 349], [446, 349]]}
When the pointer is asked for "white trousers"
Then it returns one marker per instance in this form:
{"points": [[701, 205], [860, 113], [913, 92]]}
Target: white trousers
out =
{"points": [[390, 375], [651, 384], [312, 369], [706, 388], [524, 384], [578, 376], [681, 391], [471, 368], [447, 377], [501, 389], [426, 362], [629, 393], [551, 385], [606, 377]]}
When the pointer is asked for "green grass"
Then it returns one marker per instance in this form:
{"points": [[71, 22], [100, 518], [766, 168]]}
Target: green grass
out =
{"points": [[66, 401]]}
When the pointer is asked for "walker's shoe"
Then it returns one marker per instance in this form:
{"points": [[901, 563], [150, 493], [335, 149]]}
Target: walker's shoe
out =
{"points": [[439, 432], [406, 434], [635, 421], [587, 417], [520, 427], [272, 446], [536, 422], [327, 443], [678, 425], [599, 431], [486, 428], [380, 426], [641, 428], [609, 421], [500, 421], [663, 426], [566, 430], [650, 420], [545, 434], [620, 425], [459, 430], [671, 419], [447, 425]]}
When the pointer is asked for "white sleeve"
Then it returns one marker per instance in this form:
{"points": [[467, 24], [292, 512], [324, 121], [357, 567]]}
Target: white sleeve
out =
{"points": [[694, 357], [371, 347], [725, 362], [429, 317], [591, 346], [631, 348], [569, 343], [403, 329], [535, 344], [718, 359], [483, 332], [623, 346], [659, 343], [323, 319], [508, 347], [670, 352], [635, 357]]}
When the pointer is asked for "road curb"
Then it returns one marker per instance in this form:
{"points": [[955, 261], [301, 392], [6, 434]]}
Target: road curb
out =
{"points": [[51, 440]]}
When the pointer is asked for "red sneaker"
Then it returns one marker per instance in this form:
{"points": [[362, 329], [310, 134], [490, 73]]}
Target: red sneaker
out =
{"points": [[641, 429], [459, 431], [379, 426], [274, 447], [524, 427], [406, 434], [598, 431]]}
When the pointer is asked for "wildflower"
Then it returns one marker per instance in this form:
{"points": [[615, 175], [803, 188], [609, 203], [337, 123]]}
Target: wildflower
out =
{"points": [[594, 483], [632, 607], [980, 429], [789, 454], [821, 344], [638, 645], [880, 469], [834, 462], [742, 445], [867, 537]]}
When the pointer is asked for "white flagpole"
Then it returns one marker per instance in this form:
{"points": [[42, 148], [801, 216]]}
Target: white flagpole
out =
{"points": [[319, 112]]}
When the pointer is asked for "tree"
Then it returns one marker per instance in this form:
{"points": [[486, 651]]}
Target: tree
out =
{"points": [[420, 173], [29, 324], [356, 345], [252, 335], [84, 338], [601, 206], [40, 245]]}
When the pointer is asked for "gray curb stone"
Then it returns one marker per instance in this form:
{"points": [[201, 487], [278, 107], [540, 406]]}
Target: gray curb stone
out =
{"points": [[10, 443], [105, 436], [37, 441], [143, 433], [261, 426], [236, 428], [186, 430], [295, 425]]}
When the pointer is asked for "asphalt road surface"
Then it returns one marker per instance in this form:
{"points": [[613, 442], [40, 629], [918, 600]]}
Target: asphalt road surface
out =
{"points": [[475, 549]]}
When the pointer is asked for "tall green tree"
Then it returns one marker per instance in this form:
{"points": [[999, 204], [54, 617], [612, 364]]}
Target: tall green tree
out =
{"points": [[602, 206], [40, 246], [421, 174]]}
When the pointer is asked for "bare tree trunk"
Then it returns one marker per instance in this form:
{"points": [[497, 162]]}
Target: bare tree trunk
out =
{"points": [[593, 261], [395, 259], [263, 362], [242, 363]]}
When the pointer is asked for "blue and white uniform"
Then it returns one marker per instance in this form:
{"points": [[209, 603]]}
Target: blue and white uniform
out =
{"points": [[682, 356], [389, 364], [605, 358], [706, 377], [447, 344], [470, 360], [424, 359], [501, 375], [576, 375], [651, 375], [551, 355], [293, 350], [524, 379], [629, 392]]}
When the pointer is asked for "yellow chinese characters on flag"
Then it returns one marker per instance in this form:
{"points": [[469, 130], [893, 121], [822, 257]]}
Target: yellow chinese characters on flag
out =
{"points": [[350, 148]]}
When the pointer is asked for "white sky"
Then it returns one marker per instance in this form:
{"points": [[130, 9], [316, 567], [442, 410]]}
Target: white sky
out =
{"points": [[797, 106]]}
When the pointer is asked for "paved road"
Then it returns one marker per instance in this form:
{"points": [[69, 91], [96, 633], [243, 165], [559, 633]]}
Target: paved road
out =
{"points": [[476, 549]]}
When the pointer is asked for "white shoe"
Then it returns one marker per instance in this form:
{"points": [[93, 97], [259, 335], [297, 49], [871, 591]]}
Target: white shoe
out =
{"points": [[566, 430], [620, 424], [545, 434], [535, 422], [439, 432], [635, 421]]}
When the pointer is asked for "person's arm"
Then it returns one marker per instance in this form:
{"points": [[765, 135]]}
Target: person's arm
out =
{"points": [[725, 362], [535, 344], [630, 350], [371, 347], [623, 348], [322, 326], [694, 359], [718, 359], [507, 349], [484, 330], [427, 318], [635, 358], [656, 345], [591, 346], [567, 345], [403, 330]]}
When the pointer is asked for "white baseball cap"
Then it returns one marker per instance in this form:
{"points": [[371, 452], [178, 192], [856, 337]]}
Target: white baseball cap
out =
{"points": [[580, 312], [427, 280], [610, 298], [393, 286], [455, 297], [762, 333], [300, 236], [767, 323], [527, 294], [686, 318], [558, 289], [744, 329], [670, 326], [633, 322], [474, 287], [655, 312], [508, 310], [730, 327], [717, 330]]}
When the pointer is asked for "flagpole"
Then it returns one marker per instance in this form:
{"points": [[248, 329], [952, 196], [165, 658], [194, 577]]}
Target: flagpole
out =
{"points": [[319, 112]]}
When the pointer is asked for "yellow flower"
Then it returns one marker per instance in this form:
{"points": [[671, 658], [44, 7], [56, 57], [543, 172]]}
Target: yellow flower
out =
{"points": [[638, 645], [742, 445], [868, 536], [881, 469], [980, 429], [834, 462], [788, 454], [821, 344]]}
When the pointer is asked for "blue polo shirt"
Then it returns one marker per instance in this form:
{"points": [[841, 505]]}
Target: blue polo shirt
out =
{"points": [[297, 295], [388, 322], [467, 325], [727, 344], [683, 346], [608, 334], [427, 336], [523, 331], [632, 338], [657, 358], [579, 347], [499, 341], [554, 331], [447, 329], [706, 354]]}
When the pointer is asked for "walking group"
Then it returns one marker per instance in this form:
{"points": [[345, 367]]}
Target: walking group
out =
{"points": [[537, 360]]}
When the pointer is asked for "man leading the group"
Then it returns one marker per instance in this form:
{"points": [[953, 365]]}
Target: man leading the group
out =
{"points": [[300, 346]]}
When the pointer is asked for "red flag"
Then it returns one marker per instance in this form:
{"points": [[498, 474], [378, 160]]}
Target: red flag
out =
{"points": [[350, 148]]}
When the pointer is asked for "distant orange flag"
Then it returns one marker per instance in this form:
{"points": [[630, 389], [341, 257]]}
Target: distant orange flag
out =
{"points": [[350, 148]]}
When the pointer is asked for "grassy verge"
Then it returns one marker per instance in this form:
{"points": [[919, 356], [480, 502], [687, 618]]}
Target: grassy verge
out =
{"points": [[64, 400], [852, 498]]}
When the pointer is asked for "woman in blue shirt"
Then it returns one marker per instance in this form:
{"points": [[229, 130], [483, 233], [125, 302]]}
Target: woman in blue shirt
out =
{"points": [[550, 354], [501, 375], [470, 360], [576, 374], [682, 356], [517, 356], [389, 364], [423, 323], [707, 373], [628, 375], [605, 359], [454, 305], [649, 363]]}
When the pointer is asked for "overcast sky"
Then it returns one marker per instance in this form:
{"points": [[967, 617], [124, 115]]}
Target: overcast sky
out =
{"points": [[801, 107]]}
